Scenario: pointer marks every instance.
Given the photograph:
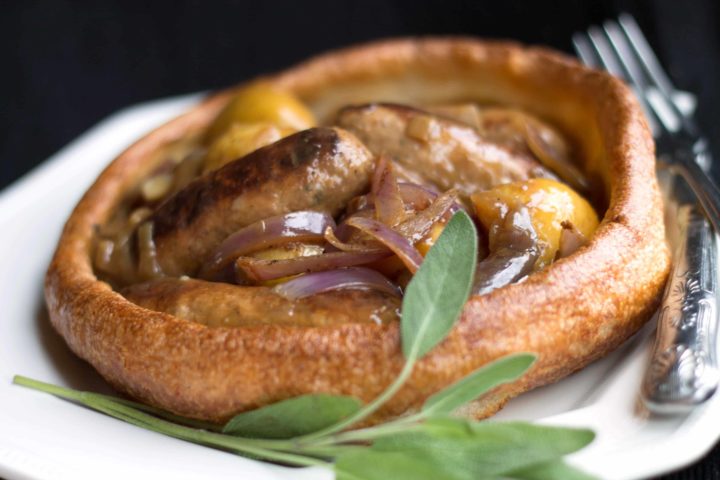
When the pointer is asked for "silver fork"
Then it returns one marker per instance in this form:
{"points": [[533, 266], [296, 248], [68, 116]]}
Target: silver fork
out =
{"points": [[683, 371]]}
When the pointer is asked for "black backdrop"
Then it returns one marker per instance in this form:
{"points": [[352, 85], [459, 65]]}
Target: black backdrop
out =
{"points": [[66, 65]]}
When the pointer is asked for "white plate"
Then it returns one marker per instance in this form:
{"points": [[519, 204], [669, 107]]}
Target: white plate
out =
{"points": [[43, 437]]}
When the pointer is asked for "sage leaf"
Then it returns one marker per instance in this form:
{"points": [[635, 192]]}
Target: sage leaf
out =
{"points": [[293, 417], [369, 464], [437, 293], [553, 470], [482, 380], [476, 450]]}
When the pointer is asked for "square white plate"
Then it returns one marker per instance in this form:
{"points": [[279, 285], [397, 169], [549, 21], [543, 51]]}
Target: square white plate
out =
{"points": [[43, 437]]}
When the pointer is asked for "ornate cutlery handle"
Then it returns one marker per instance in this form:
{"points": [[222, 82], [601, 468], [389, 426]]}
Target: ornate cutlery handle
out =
{"points": [[684, 365], [688, 162]]}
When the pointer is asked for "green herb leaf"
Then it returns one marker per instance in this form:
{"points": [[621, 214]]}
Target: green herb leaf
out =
{"points": [[471, 450], [413, 464], [437, 293], [479, 382], [553, 470], [368, 464], [294, 417]]}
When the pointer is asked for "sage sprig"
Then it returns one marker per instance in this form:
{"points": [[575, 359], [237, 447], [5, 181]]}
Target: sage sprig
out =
{"points": [[313, 430], [292, 418]]}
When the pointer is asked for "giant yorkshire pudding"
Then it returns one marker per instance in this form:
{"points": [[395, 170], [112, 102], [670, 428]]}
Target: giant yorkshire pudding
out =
{"points": [[570, 313]]}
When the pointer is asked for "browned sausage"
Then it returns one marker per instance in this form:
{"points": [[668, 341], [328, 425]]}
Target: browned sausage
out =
{"points": [[222, 304], [434, 150], [316, 169]]}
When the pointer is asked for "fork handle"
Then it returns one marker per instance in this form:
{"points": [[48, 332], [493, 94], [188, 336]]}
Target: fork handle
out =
{"points": [[683, 371], [688, 164]]}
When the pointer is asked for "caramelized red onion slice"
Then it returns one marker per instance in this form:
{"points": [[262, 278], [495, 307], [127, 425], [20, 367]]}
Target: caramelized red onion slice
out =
{"points": [[550, 152], [515, 251], [257, 270], [402, 238], [389, 206], [148, 265], [503, 267], [418, 226], [331, 236], [300, 226], [417, 197], [359, 204], [344, 278], [397, 243]]}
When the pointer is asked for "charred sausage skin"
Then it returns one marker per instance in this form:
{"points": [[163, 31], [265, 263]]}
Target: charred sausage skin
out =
{"points": [[317, 169]]}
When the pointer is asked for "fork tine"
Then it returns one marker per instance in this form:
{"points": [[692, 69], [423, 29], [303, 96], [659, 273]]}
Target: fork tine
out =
{"points": [[628, 60], [585, 51], [642, 85], [645, 53], [658, 88], [609, 60], [605, 52]]}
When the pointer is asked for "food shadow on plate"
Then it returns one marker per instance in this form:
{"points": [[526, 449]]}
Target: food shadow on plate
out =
{"points": [[73, 372]]}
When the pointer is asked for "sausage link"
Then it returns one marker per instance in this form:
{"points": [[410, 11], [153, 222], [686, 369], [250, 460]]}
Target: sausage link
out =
{"points": [[316, 169], [224, 305], [437, 151]]}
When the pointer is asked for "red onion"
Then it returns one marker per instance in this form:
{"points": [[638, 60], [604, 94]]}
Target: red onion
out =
{"points": [[389, 206], [418, 226], [514, 252], [552, 153], [258, 270], [501, 268], [331, 237], [292, 227], [344, 278], [348, 234], [396, 242], [402, 238], [417, 197], [359, 203]]}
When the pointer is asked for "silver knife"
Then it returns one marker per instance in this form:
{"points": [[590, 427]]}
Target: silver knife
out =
{"points": [[683, 370]]}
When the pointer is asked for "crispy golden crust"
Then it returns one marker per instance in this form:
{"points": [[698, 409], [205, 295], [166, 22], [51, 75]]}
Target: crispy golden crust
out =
{"points": [[571, 313]]}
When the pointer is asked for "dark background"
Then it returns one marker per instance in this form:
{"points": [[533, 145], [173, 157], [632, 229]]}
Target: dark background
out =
{"points": [[66, 65]]}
